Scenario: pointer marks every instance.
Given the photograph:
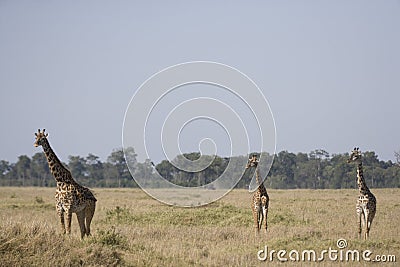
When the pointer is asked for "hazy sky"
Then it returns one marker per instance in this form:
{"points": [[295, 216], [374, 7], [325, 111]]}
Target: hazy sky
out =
{"points": [[329, 69]]}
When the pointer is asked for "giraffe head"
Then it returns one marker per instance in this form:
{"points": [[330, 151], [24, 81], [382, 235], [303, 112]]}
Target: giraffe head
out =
{"points": [[355, 155], [40, 138], [253, 162]]}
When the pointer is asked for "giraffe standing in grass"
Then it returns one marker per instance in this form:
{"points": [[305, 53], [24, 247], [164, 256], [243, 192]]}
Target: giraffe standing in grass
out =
{"points": [[260, 199], [366, 203], [70, 196]]}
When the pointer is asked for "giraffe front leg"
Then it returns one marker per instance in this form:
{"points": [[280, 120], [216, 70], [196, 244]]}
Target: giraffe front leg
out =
{"points": [[60, 213], [255, 217], [68, 223], [367, 224], [359, 214], [264, 202]]}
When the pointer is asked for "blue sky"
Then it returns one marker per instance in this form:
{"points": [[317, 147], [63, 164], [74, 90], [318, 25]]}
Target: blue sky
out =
{"points": [[329, 69]]}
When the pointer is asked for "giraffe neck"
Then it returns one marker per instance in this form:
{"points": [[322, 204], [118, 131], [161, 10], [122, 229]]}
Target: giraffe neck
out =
{"points": [[259, 183], [362, 186], [60, 173]]}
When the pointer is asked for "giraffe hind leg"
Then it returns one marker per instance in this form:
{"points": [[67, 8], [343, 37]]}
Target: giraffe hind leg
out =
{"points": [[260, 219], [81, 220], [369, 222], [371, 216], [264, 202], [265, 215], [89, 212]]}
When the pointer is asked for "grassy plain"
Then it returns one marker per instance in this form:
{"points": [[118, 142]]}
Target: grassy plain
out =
{"points": [[132, 229]]}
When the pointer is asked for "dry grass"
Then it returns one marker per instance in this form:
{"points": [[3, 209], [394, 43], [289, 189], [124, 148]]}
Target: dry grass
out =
{"points": [[132, 229]]}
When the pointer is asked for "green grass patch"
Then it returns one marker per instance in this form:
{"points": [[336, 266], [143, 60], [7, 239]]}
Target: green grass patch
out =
{"points": [[216, 215]]}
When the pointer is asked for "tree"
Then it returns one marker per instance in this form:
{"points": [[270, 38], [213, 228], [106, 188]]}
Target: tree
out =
{"points": [[283, 168], [304, 173], [77, 167], [397, 155], [118, 160], [130, 159], [94, 168], [40, 170], [318, 155], [144, 171], [5, 168], [343, 172], [166, 170], [23, 168]]}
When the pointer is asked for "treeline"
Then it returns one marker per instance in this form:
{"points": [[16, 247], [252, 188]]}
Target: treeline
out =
{"points": [[319, 170], [315, 170]]}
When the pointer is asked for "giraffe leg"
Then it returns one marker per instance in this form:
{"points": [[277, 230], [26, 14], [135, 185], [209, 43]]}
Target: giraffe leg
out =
{"points": [[60, 213], [255, 217], [89, 212], [81, 220], [359, 214], [367, 224], [265, 212], [266, 221], [68, 222]]}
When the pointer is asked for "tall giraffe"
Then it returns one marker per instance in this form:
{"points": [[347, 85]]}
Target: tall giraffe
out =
{"points": [[260, 199], [366, 202], [70, 196]]}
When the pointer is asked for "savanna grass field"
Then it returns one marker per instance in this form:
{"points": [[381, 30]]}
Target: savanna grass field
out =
{"points": [[132, 229]]}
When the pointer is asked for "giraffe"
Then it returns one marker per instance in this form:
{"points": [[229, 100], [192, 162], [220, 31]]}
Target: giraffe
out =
{"points": [[366, 202], [70, 196], [260, 199]]}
